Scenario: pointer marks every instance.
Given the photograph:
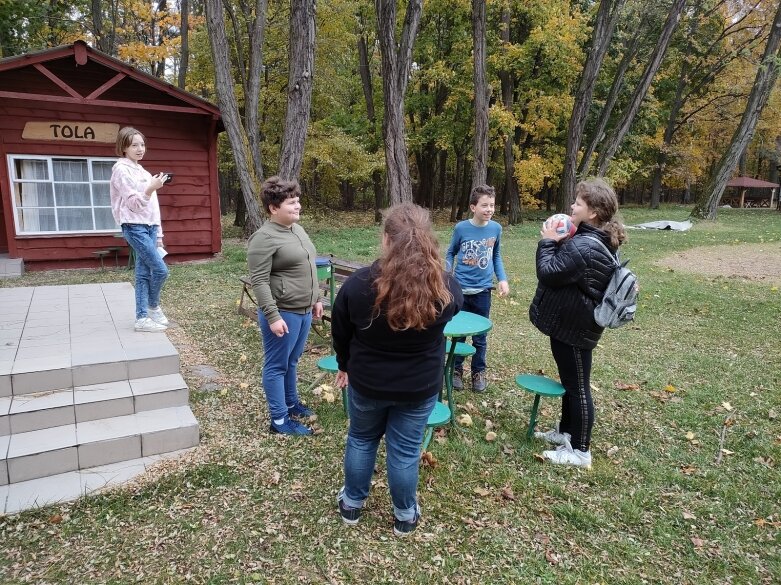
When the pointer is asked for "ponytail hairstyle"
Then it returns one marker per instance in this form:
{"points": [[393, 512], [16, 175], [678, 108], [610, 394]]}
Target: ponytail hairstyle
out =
{"points": [[411, 288], [602, 200]]}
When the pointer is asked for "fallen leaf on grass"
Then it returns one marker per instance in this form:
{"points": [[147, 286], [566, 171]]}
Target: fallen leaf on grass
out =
{"points": [[552, 557], [243, 385], [243, 358], [766, 461], [464, 420], [507, 493], [727, 452], [625, 386], [489, 425], [542, 538], [670, 388], [697, 542], [490, 436], [688, 469], [772, 414], [55, 519], [688, 515], [726, 406], [275, 477], [612, 451], [329, 397], [508, 449], [482, 492], [539, 457], [689, 436], [428, 459]]}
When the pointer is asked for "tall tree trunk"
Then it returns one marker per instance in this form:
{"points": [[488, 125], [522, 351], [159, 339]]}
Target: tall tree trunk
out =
{"points": [[617, 136], [396, 66], [249, 175], [299, 87], [368, 95], [767, 72], [184, 59], [511, 196], [610, 102], [256, 25], [480, 147], [605, 23]]}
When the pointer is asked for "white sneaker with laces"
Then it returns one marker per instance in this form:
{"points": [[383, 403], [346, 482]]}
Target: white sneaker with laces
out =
{"points": [[566, 455], [148, 325], [157, 315], [553, 436]]}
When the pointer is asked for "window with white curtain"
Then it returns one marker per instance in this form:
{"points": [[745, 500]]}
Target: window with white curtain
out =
{"points": [[61, 194]]}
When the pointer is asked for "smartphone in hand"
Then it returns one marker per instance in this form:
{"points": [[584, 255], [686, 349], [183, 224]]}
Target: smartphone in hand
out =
{"points": [[168, 177]]}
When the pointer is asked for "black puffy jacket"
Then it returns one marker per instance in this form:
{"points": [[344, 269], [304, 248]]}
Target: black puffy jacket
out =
{"points": [[572, 277]]}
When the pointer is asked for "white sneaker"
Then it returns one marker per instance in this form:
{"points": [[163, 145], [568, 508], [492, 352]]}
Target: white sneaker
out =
{"points": [[553, 436], [147, 324], [157, 315], [566, 455]]}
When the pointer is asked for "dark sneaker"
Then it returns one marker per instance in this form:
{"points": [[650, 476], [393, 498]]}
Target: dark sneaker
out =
{"points": [[402, 528], [299, 411], [290, 427], [350, 516], [458, 380], [479, 382]]}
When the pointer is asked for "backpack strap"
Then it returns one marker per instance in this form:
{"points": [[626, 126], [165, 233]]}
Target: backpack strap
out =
{"points": [[606, 249]]}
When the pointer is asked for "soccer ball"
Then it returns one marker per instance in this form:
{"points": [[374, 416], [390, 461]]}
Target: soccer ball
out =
{"points": [[562, 223]]}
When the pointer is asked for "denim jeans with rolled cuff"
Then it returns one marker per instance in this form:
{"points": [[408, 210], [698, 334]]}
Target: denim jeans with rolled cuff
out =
{"points": [[150, 270], [403, 425]]}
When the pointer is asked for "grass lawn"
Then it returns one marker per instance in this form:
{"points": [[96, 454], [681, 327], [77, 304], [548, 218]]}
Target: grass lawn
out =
{"points": [[685, 486]]}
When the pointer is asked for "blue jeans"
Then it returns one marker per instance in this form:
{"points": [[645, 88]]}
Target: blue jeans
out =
{"points": [[481, 305], [281, 355], [403, 424], [151, 271]]}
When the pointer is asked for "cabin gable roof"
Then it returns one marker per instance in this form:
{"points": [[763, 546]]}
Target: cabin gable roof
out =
{"points": [[78, 73]]}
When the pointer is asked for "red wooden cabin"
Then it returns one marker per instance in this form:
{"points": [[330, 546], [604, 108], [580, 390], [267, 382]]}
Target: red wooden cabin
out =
{"points": [[60, 110]]}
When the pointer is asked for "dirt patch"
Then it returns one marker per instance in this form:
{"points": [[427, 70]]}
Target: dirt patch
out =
{"points": [[760, 262]]}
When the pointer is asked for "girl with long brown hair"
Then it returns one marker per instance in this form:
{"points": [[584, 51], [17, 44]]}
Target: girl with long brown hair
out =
{"points": [[387, 325]]}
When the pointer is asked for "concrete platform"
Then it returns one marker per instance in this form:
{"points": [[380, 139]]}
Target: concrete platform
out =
{"points": [[80, 389]]}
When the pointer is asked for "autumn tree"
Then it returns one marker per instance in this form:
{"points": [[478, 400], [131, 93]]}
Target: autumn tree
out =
{"points": [[604, 24], [767, 73], [244, 135], [396, 63], [299, 88], [480, 148]]}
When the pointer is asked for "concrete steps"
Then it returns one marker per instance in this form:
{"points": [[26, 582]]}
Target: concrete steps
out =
{"points": [[80, 389]]}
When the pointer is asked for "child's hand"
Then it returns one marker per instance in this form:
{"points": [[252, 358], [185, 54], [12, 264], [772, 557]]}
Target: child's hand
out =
{"points": [[548, 232], [503, 288]]}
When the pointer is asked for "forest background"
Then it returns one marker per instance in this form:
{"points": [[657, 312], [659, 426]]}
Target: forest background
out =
{"points": [[647, 94]]}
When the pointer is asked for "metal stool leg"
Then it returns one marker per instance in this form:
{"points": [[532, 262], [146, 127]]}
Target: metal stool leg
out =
{"points": [[533, 419]]}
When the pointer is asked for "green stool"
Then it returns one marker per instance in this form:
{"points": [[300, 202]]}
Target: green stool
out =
{"points": [[439, 417], [328, 364], [462, 349], [539, 386]]}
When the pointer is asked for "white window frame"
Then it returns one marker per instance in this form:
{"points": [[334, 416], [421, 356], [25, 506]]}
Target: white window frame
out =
{"points": [[12, 158]]}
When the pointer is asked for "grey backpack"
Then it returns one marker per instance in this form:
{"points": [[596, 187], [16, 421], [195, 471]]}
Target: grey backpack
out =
{"points": [[619, 303]]}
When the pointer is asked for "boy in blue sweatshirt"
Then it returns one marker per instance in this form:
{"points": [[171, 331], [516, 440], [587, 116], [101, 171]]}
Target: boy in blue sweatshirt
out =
{"points": [[474, 259]]}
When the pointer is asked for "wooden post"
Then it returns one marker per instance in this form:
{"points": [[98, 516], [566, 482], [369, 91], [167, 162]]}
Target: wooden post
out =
{"points": [[742, 197], [772, 196]]}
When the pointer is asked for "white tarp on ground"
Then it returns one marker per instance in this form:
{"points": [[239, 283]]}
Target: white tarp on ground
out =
{"points": [[678, 226]]}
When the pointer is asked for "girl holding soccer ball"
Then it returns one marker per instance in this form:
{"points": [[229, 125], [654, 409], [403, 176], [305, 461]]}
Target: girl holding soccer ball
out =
{"points": [[572, 274]]}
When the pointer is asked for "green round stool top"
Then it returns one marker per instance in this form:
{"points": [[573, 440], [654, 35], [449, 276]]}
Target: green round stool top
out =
{"points": [[328, 363], [462, 349], [539, 385], [440, 416]]}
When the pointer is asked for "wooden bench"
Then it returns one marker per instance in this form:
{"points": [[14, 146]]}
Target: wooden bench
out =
{"points": [[331, 279]]}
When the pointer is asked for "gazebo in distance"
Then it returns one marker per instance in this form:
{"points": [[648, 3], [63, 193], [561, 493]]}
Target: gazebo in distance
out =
{"points": [[749, 192]]}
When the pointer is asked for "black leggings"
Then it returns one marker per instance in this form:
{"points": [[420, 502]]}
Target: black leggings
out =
{"points": [[577, 407]]}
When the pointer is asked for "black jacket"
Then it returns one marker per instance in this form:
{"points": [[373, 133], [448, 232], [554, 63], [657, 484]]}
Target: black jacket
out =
{"points": [[383, 364], [572, 277]]}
